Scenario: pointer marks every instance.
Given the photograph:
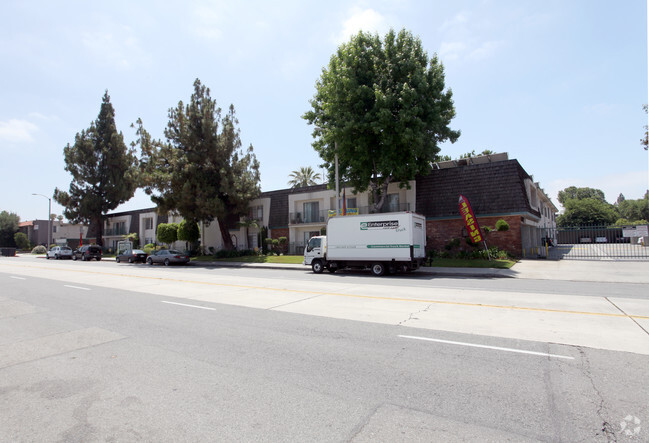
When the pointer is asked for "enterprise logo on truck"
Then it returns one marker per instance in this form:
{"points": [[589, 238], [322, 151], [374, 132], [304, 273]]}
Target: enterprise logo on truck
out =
{"points": [[389, 224]]}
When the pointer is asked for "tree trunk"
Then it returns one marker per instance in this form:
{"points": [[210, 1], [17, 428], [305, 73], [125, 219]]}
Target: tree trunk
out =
{"points": [[378, 195], [96, 229], [225, 234]]}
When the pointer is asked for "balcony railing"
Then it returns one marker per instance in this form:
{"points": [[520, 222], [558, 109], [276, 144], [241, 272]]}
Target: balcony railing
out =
{"points": [[299, 218], [114, 231]]}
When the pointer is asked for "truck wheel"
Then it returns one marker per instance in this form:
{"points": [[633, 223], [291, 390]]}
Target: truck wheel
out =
{"points": [[378, 269], [317, 266]]}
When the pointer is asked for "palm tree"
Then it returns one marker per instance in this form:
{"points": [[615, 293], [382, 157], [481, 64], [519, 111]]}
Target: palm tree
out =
{"points": [[303, 178], [248, 223]]}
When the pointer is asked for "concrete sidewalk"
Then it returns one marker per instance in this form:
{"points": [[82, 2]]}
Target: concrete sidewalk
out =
{"points": [[567, 270], [622, 271]]}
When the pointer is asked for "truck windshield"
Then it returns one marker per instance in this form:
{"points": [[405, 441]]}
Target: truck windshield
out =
{"points": [[314, 243]]}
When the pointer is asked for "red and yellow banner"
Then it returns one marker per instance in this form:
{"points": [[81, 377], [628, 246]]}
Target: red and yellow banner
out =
{"points": [[471, 222]]}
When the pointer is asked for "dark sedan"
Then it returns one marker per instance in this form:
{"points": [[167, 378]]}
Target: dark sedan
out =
{"points": [[168, 257], [132, 256]]}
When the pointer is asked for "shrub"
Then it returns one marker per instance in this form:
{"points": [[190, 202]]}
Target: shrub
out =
{"points": [[502, 225], [150, 248], [233, 253], [40, 249], [167, 232], [454, 243], [22, 242]]}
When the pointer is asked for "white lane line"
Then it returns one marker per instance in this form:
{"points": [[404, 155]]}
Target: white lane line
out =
{"points": [[189, 306], [77, 287], [496, 348], [18, 278]]}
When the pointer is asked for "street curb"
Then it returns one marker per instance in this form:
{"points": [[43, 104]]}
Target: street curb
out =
{"points": [[442, 272]]}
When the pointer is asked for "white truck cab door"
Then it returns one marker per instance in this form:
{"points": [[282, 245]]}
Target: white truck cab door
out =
{"points": [[313, 250]]}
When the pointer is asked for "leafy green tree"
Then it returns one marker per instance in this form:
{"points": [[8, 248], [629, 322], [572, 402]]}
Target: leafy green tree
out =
{"points": [[22, 242], [575, 193], [586, 211], [634, 209], [382, 107], [303, 178], [167, 233], [104, 172], [188, 232], [200, 171], [8, 227]]}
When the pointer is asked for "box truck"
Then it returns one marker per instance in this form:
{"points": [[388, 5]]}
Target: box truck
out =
{"points": [[386, 242]]}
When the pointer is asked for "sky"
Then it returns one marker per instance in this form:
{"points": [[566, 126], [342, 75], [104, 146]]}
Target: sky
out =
{"points": [[558, 85]]}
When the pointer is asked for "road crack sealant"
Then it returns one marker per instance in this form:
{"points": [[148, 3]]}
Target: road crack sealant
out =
{"points": [[607, 430], [412, 316], [630, 316]]}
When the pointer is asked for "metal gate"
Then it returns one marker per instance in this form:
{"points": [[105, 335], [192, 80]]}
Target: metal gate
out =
{"points": [[595, 243]]}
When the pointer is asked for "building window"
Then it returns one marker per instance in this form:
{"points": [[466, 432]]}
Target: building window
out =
{"points": [[148, 223], [391, 203], [351, 203], [256, 213], [311, 212], [54, 229]]}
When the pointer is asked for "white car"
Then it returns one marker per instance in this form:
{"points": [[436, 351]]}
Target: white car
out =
{"points": [[58, 252]]}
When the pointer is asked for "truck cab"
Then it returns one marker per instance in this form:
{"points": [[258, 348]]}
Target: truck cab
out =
{"points": [[315, 249]]}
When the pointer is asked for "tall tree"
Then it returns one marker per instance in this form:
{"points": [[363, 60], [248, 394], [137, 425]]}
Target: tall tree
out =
{"points": [[383, 108], [575, 193], [304, 177], [9, 222], [200, 171], [104, 172], [587, 211]]}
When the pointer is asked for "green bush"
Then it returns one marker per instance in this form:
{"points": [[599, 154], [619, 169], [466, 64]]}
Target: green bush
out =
{"points": [[455, 243], [233, 253], [22, 242], [167, 232], [40, 249], [502, 225], [150, 248]]}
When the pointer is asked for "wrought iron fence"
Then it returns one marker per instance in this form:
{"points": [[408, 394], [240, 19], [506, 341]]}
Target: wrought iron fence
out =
{"points": [[594, 243]]}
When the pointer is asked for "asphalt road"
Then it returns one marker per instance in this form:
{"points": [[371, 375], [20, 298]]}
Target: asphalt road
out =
{"points": [[107, 352]]}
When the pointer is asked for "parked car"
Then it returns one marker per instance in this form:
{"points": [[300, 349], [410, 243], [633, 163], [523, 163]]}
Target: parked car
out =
{"points": [[58, 252], [132, 256], [168, 257], [87, 252]]}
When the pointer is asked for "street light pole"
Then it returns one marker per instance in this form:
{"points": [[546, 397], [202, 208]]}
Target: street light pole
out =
{"points": [[49, 220]]}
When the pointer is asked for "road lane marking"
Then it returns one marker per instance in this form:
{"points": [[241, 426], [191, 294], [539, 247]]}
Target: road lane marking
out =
{"points": [[495, 348], [77, 287], [18, 278], [189, 306], [337, 294]]}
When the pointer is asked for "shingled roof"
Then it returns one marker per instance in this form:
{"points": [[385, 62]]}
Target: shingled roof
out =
{"points": [[492, 188]]}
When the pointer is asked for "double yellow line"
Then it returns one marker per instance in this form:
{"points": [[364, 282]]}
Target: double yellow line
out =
{"points": [[367, 297]]}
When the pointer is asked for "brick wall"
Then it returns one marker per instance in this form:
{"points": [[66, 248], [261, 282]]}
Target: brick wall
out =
{"points": [[279, 232], [440, 232]]}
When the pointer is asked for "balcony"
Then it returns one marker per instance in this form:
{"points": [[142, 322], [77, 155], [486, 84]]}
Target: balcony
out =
{"points": [[301, 218], [112, 232], [368, 209]]}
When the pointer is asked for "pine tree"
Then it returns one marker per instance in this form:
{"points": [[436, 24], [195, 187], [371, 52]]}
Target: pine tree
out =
{"points": [[200, 171], [104, 172]]}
